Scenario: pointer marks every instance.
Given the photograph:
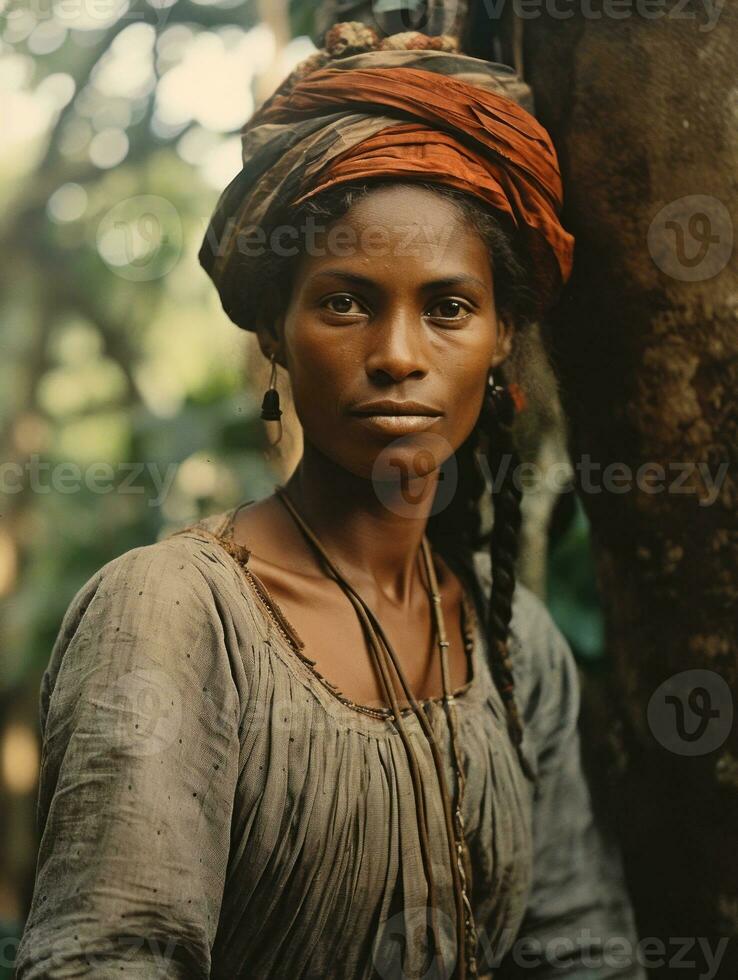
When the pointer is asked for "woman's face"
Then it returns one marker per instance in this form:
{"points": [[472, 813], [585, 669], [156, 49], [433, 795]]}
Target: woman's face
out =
{"points": [[393, 302]]}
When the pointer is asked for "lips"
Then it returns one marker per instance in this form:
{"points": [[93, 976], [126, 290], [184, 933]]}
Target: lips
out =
{"points": [[396, 425], [395, 409]]}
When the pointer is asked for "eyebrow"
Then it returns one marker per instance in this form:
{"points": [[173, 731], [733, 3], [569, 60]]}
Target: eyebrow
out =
{"points": [[458, 280]]}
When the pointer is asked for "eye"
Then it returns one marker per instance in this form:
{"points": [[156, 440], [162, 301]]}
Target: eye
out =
{"points": [[450, 309], [343, 303]]}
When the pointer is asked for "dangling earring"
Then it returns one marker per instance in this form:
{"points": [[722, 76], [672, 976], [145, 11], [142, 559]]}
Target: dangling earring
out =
{"points": [[270, 410], [507, 400]]}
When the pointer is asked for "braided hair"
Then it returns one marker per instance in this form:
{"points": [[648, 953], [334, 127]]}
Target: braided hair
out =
{"points": [[455, 530]]}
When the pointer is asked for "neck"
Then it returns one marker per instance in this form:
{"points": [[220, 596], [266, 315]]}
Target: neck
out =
{"points": [[373, 531]]}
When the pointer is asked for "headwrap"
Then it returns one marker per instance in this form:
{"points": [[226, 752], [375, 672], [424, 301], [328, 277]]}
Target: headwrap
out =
{"points": [[410, 107]]}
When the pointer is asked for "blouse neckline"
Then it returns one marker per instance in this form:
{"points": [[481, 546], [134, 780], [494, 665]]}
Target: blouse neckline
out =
{"points": [[294, 647]]}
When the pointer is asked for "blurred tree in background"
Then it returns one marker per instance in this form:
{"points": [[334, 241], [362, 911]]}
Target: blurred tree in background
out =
{"points": [[125, 394]]}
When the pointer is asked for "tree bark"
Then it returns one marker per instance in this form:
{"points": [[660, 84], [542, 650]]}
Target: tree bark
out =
{"points": [[646, 343]]}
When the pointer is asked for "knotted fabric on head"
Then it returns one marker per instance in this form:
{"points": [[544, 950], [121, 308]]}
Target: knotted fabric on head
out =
{"points": [[407, 109]]}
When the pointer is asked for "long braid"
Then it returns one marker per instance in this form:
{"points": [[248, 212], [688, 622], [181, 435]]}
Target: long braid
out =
{"points": [[456, 532], [496, 419]]}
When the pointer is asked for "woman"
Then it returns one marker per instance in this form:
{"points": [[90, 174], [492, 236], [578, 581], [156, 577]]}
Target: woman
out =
{"points": [[246, 775]]}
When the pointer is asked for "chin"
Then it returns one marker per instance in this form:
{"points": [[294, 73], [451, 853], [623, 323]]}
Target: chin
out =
{"points": [[400, 461]]}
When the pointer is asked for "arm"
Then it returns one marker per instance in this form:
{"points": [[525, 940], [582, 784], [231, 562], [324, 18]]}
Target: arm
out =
{"points": [[579, 922], [139, 718]]}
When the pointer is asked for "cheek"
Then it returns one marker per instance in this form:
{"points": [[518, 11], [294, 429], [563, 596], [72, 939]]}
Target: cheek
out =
{"points": [[468, 385], [321, 373]]}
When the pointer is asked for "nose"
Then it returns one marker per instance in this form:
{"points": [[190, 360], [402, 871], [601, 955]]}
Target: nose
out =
{"points": [[397, 345]]}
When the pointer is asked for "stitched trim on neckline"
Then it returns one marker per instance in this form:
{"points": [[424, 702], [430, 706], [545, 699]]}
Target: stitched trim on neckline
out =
{"points": [[471, 627]]}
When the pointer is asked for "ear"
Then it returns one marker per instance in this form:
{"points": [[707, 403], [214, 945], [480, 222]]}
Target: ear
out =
{"points": [[503, 344], [270, 342]]}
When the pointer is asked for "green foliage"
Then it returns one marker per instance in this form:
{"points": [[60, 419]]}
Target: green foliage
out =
{"points": [[125, 407], [118, 353], [572, 596], [302, 17]]}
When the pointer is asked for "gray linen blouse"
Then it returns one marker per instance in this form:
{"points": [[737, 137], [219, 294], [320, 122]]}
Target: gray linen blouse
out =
{"points": [[210, 806]]}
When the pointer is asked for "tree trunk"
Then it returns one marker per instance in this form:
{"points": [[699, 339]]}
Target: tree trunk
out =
{"points": [[646, 341]]}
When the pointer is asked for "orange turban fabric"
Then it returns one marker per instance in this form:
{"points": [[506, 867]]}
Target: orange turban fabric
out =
{"points": [[387, 113]]}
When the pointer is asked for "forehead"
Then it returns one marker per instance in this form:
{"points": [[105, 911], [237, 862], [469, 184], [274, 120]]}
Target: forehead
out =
{"points": [[402, 231]]}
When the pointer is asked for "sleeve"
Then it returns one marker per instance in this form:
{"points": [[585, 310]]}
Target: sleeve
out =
{"points": [[139, 762], [579, 921]]}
